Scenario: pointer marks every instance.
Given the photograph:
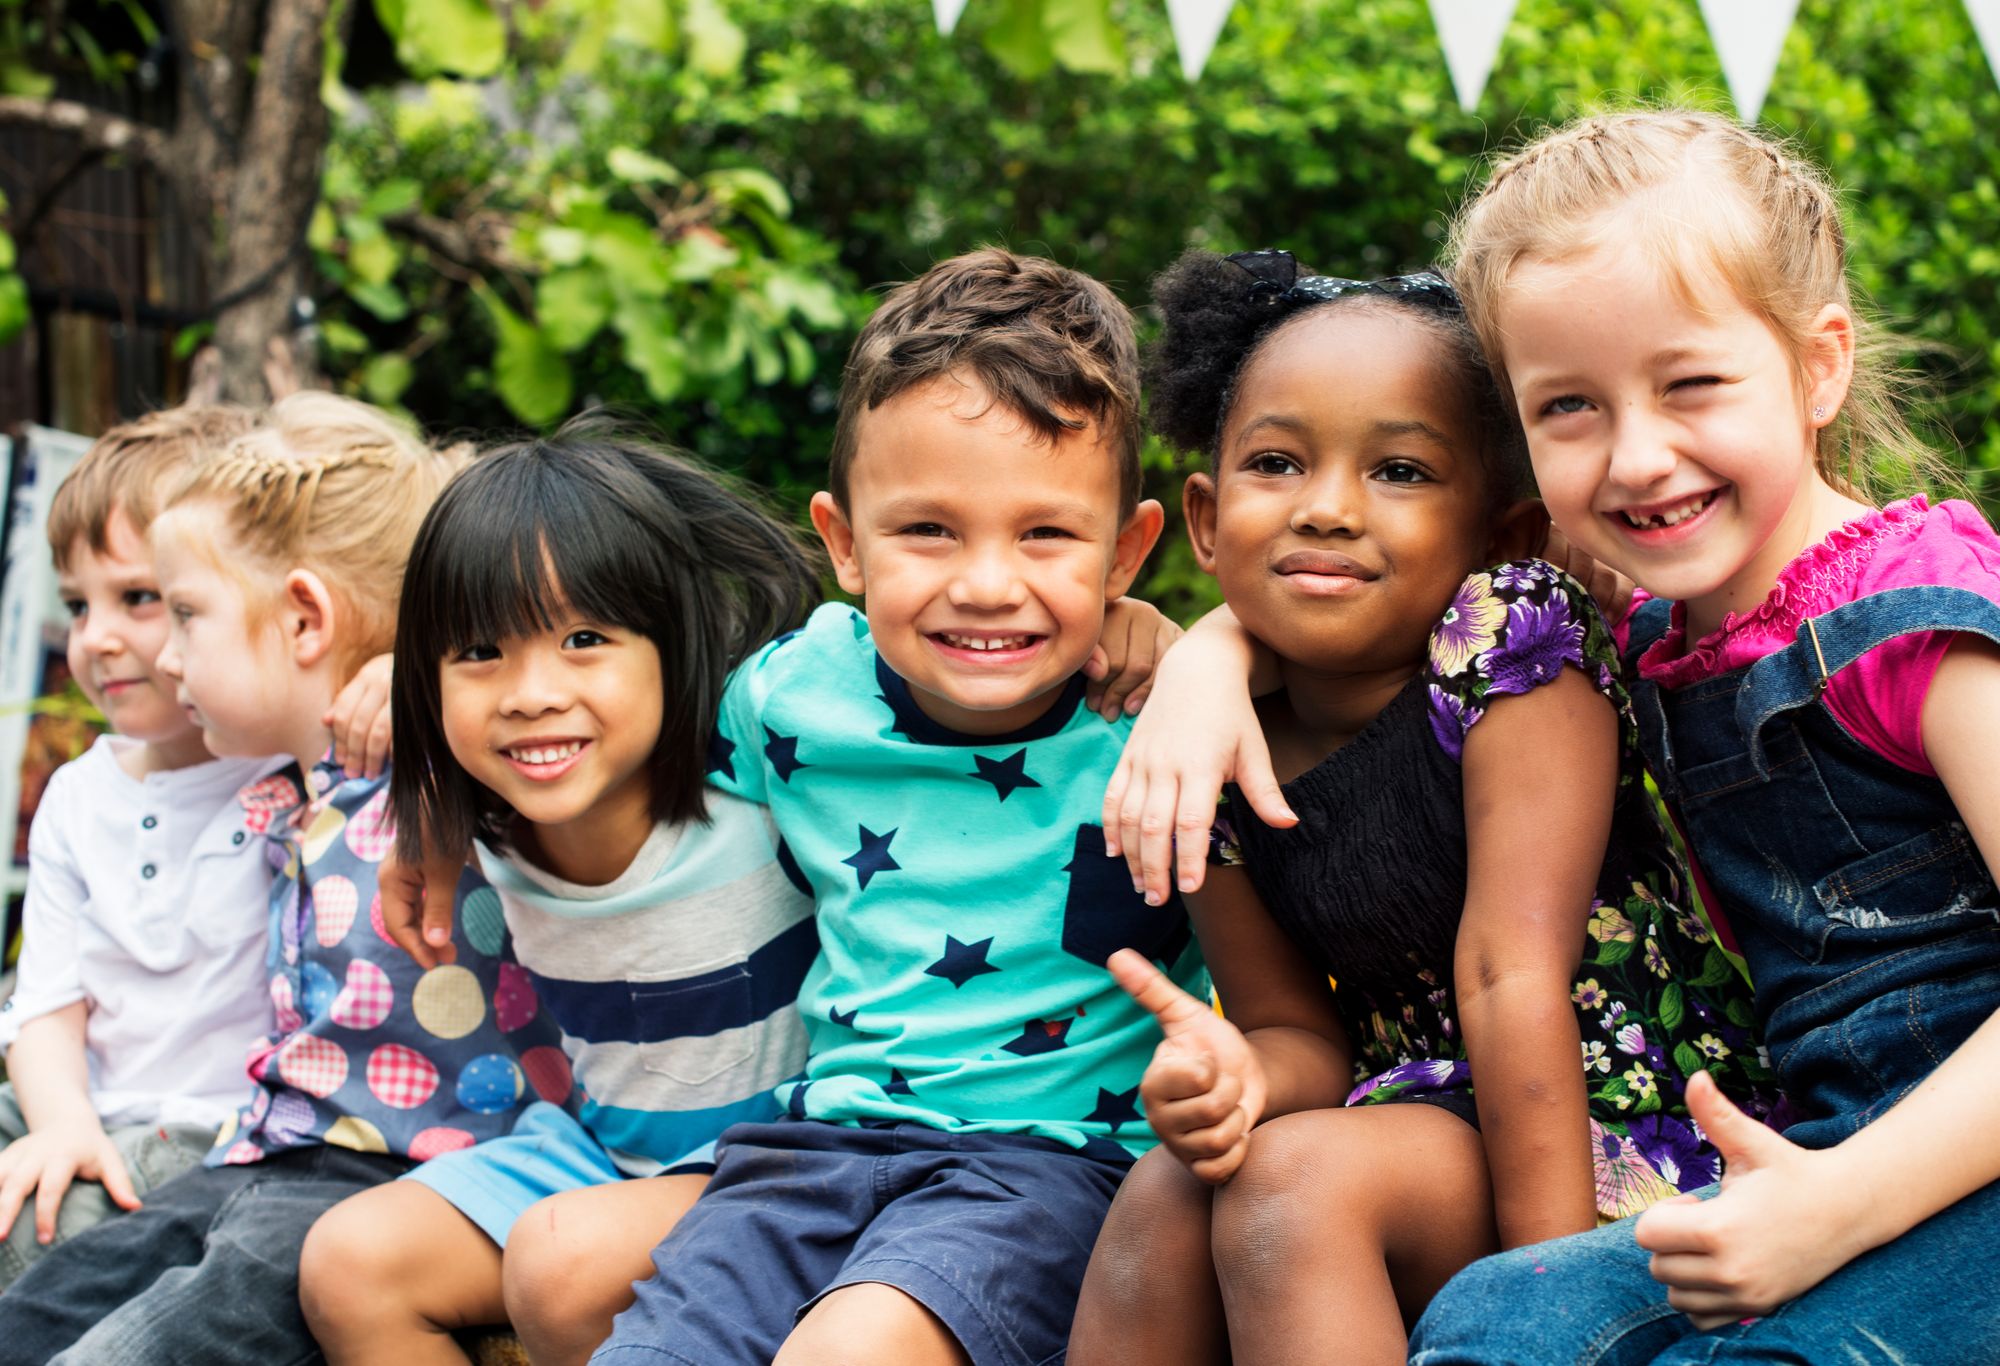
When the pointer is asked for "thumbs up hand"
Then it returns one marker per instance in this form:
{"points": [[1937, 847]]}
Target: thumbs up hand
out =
{"points": [[1205, 1089], [1780, 1226]]}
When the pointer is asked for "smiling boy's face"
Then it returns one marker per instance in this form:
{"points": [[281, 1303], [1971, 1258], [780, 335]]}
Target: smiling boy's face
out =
{"points": [[985, 554]]}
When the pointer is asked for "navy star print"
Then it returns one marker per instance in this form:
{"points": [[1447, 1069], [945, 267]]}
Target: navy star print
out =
{"points": [[962, 962], [1115, 1108], [1007, 775], [844, 1021], [899, 1085], [783, 752], [719, 751], [1040, 1036], [872, 857]]}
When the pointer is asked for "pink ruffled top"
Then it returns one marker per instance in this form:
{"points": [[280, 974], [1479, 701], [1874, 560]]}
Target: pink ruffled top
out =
{"points": [[1880, 697]]}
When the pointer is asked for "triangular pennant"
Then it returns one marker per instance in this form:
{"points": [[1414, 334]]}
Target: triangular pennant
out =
{"points": [[1986, 22], [947, 12], [1748, 36], [1470, 32], [1197, 24]]}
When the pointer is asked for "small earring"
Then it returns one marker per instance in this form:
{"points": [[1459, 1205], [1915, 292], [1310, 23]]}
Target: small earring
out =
{"points": [[1819, 413]]}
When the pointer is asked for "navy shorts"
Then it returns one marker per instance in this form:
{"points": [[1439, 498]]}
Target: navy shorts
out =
{"points": [[990, 1232]]}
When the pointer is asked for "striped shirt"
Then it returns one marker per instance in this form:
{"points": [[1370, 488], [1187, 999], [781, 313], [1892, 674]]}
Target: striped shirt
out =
{"points": [[675, 985]]}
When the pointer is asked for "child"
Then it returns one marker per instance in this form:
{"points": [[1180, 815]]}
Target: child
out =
{"points": [[1473, 822], [564, 596], [141, 976], [970, 1101], [279, 563], [1818, 682]]}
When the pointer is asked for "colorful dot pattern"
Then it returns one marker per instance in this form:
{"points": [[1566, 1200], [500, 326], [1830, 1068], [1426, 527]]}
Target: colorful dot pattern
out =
{"points": [[370, 1052]]}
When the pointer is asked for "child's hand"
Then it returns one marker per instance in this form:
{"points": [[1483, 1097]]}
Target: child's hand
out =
{"points": [[417, 906], [1781, 1225], [43, 1165], [359, 720], [1199, 732], [1120, 669], [1205, 1089]]}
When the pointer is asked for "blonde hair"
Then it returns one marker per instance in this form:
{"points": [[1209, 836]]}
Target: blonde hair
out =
{"points": [[331, 485], [1702, 196], [130, 468]]}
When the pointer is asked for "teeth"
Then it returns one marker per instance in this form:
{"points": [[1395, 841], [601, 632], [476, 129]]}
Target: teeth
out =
{"points": [[986, 642], [551, 754], [1673, 516]]}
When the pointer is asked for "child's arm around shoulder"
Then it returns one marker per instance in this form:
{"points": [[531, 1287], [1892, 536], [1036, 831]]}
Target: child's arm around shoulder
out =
{"points": [[1789, 1217]]}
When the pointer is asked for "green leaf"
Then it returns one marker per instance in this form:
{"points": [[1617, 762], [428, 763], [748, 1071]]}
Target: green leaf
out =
{"points": [[571, 305], [1715, 969], [371, 255], [1612, 1090], [386, 377], [631, 164], [342, 338], [699, 255], [1672, 1009], [1687, 1060], [323, 230], [800, 361], [189, 339], [392, 197], [6, 252], [383, 300], [812, 299], [1018, 40], [529, 374], [1083, 38], [1648, 1103], [740, 185], [463, 37], [1612, 952], [1739, 1013], [715, 44], [13, 307], [767, 366], [653, 347], [562, 246], [633, 258], [645, 23]]}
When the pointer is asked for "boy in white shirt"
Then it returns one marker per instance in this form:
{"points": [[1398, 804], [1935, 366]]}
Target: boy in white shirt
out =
{"points": [[142, 976]]}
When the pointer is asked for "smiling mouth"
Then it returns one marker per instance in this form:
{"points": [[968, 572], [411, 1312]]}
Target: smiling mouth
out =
{"points": [[984, 644], [543, 755], [1672, 514]]}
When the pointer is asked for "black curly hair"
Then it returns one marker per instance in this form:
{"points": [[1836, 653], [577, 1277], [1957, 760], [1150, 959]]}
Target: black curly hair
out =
{"points": [[1219, 314]]}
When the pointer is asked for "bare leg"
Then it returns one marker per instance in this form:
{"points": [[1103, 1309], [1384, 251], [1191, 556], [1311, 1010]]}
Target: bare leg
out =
{"points": [[1341, 1225], [571, 1260], [870, 1323], [388, 1274], [1150, 1294]]}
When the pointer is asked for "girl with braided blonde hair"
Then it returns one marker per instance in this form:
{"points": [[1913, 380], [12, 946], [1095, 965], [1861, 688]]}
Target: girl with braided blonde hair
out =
{"points": [[281, 563]]}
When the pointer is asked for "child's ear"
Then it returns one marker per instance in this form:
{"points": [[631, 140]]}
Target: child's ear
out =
{"points": [[1136, 540], [1520, 532], [1829, 364], [308, 616], [1198, 511], [838, 536]]}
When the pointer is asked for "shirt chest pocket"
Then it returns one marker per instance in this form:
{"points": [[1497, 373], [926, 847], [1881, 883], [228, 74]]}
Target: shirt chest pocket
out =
{"points": [[228, 882], [694, 1029]]}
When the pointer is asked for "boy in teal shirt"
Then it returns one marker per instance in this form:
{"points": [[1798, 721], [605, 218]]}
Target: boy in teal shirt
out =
{"points": [[971, 1099]]}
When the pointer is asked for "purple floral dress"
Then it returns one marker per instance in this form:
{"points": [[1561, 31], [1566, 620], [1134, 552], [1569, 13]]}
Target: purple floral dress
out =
{"points": [[1371, 885]]}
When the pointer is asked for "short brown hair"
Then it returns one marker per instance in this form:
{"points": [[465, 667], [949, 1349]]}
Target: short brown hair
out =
{"points": [[132, 467], [1047, 343]]}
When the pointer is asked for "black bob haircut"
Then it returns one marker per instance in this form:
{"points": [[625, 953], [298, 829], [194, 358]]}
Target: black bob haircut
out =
{"points": [[623, 531], [1218, 317]]}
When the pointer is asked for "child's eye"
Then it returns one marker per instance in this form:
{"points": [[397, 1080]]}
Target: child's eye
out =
{"points": [[1271, 462], [1402, 472], [927, 529], [1048, 533], [181, 613], [585, 638], [477, 654], [141, 597], [76, 607], [1696, 382], [1567, 403]]}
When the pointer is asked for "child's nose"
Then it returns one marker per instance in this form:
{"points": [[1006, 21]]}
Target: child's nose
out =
{"points": [[986, 578], [534, 688], [1641, 454], [1328, 506]]}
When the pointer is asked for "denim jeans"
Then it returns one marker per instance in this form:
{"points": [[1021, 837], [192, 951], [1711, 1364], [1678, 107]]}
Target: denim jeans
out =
{"points": [[1589, 1301], [207, 1272], [153, 1154]]}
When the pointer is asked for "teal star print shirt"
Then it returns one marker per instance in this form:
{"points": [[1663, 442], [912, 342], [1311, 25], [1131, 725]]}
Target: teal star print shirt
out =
{"points": [[965, 903]]}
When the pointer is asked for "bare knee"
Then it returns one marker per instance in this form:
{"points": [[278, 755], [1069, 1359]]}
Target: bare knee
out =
{"points": [[347, 1270], [858, 1325], [562, 1288], [1158, 1225], [1296, 1180]]}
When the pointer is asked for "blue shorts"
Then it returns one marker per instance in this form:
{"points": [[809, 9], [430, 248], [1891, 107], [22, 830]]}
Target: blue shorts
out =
{"points": [[549, 1152], [990, 1232]]}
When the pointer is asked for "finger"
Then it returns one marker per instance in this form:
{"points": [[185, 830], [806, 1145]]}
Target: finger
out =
{"points": [[1095, 670], [1192, 823], [1176, 1011], [1711, 1308], [375, 748], [401, 895], [440, 892], [1114, 802], [1681, 1224], [1216, 1170], [116, 1180], [49, 1191], [1128, 826], [1687, 1271], [1217, 1139], [1139, 663], [1205, 1111], [1156, 841], [1743, 1142], [13, 1191], [1258, 783], [1173, 1080], [1136, 703]]}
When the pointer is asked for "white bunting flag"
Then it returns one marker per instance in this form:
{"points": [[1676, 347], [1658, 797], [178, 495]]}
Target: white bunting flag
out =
{"points": [[1197, 24], [947, 12], [1986, 21], [1748, 36], [1470, 32]]}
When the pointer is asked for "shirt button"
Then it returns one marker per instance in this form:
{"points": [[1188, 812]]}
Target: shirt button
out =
{"points": [[236, 838], [148, 871], [149, 822]]}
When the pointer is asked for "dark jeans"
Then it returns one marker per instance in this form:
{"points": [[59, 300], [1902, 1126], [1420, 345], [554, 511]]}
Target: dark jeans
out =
{"points": [[207, 1272]]}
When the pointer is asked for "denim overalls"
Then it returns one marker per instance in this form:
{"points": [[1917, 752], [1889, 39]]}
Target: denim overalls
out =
{"points": [[1872, 932], [1867, 919]]}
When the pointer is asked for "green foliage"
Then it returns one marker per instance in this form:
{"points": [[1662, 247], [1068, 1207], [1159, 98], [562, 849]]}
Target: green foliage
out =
{"points": [[852, 145], [13, 290]]}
